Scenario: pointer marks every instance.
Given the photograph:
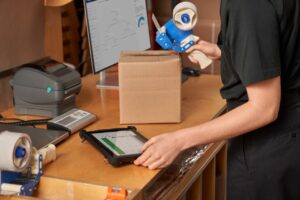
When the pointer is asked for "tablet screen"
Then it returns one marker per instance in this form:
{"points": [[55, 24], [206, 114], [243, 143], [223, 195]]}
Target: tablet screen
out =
{"points": [[121, 143]]}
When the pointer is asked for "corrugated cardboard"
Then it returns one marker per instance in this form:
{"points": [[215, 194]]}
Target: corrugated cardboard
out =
{"points": [[150, 87]]}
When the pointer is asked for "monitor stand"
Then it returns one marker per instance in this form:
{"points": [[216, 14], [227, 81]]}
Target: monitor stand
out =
{"points": [[108, 80]]}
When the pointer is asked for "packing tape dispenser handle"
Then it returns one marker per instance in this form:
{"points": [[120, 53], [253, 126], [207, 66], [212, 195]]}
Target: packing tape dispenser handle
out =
{"points": [[202, 59]]}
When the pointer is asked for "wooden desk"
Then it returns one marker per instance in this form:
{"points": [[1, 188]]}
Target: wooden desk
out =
{"points": [[81, 162]]}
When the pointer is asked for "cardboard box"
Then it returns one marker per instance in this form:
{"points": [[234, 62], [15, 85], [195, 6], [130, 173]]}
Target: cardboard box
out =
{"points": [[150, 87]]}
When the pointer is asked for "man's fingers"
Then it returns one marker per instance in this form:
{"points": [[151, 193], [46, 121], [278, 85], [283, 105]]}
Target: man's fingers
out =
{"points": [[145, 156], [192, 48], [152, 159], [192, 59], [147, 145], [157, 164], [200, 46]]}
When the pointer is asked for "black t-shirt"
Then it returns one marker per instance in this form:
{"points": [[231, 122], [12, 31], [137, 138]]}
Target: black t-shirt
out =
{"points": [[259, 39]]}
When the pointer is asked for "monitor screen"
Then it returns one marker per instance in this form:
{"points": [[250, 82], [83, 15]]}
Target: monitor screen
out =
{"points": [[114, 26]]}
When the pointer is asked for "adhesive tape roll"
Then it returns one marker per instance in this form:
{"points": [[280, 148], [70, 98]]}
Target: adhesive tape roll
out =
{"points": [[11, 143], [185, 10]]}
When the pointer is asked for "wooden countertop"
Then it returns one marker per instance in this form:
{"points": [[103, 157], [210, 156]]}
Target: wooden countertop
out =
{"points": [[81, 162]]}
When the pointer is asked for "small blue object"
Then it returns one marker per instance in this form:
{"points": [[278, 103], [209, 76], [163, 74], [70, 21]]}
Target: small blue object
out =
{"points": [[20, 152], [172, 39], [185, 18], [49, 90], [9, 177], [164, 41]]}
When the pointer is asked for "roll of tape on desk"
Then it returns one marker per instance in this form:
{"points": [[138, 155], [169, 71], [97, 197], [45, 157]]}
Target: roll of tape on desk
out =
{"points": [[15, 151]]}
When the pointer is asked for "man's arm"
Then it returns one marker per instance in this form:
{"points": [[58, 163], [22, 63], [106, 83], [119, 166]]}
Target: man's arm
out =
{"points": [[261, 109]]}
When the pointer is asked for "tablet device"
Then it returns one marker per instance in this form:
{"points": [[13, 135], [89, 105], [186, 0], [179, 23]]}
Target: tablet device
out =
{"points": [[119, 146]]}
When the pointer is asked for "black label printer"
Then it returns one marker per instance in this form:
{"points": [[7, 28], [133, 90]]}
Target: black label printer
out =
{"points": [[47, 89]]}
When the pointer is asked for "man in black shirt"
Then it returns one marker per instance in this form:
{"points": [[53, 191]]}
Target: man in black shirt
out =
{"points": [[259, 48]]}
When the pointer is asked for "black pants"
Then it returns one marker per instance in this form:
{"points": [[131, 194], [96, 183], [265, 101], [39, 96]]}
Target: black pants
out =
{"points": [[265, 164]]}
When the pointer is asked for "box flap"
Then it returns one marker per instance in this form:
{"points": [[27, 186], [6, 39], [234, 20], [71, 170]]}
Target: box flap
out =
{"points": [[148, 56], [148, 53]]}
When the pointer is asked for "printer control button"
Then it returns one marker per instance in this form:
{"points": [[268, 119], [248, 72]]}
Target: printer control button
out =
{"points": [[49, 89]]}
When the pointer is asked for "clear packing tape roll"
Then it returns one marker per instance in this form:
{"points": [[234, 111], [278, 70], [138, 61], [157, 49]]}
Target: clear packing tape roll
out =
{"points": [[10, 143], [184, 8]]}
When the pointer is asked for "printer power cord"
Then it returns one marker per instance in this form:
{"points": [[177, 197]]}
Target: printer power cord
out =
{"points": [[20, 122]]}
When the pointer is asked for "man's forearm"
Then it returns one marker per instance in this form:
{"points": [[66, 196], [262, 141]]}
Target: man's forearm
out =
{"points": [[241, 120]]}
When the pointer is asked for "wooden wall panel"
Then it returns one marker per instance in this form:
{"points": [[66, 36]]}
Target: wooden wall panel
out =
{"points": [[53, 33], [5, 93], [22, 32], [71, 34]]}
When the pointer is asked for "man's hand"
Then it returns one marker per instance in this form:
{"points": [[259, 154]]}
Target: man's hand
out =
{"points": [[159, 151], [211, 50]]}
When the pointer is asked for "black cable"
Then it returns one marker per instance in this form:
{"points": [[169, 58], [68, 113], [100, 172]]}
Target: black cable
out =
{"points": [[23, 122], [10, 119]]}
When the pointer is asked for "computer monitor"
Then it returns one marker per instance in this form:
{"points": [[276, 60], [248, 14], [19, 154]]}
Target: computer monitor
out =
{"points": [[114, 26]]}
